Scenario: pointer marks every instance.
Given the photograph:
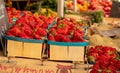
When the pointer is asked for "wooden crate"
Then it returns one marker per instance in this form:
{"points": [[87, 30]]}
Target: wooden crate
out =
{"points": [[15, 48], [24, 49], [67, 53], [32, 50], [58, 52], [76, 53]]}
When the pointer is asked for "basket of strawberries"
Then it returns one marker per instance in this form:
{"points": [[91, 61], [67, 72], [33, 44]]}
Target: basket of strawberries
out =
{"points": [[65, 38], [27, 35]]}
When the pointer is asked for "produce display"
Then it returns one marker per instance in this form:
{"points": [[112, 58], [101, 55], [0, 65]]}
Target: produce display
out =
{"points": [[30, 26], [105, 59], [66, 30], [47, 12], [91, 5], [45, 25]]}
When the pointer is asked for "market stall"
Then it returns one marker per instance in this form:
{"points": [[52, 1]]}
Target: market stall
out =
{"points": [[64, 30]]}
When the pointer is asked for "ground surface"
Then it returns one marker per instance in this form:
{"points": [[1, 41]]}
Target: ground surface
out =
{"points": [[25, 65]]}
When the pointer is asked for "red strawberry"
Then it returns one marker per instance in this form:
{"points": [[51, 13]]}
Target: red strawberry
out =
{"points": [[66, 39], [77, 37], [96, 65], [26, 27], [80, 31], [59, 37], [111, 69], [9, 34], [41, 32], [37, 36], [45, 25], [40, 23], [51, 37], [15, 30], [63, 30], [29, 33], [58, 19], [53, 31], [23, 35]]}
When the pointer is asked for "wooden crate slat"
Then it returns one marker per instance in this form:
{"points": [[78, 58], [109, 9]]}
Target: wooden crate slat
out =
{"points": [[14, 48], [58, 52], [32, 50]]}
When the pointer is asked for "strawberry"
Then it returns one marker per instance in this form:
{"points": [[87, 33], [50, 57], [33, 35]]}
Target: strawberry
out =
{"points": [[9, 34], [23, 35], [53, 31], [15, 30], [80, 32], [66, 39], [59, 37], [41, 32], [63, 30], [77, 37], [29, 33], [37, 36], [51, 37], [40, 23], [45, 25]]}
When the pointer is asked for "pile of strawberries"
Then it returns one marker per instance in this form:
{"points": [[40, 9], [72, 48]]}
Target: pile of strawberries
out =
{"points": [[66, 30], [30, 26], [105, 58], [12, 13], [106, 7]]}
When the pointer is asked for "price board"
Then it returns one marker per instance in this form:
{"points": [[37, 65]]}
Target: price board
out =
{"points": [[3, 22]]}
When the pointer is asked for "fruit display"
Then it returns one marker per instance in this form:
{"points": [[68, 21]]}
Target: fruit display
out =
{"points": [[104, 59], [30, 26], [82, 5], [66, 30], [91, 5], [106, 7]]}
